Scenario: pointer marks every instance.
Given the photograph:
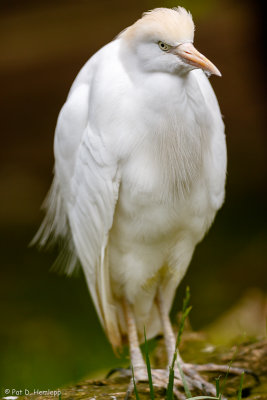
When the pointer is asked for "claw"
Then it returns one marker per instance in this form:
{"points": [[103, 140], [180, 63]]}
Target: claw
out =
{"points": [[123, 371], [253, 374], [210, 367]]}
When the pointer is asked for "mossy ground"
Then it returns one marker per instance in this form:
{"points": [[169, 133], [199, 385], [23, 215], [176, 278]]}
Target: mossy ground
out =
{"points": [[250, 355]]}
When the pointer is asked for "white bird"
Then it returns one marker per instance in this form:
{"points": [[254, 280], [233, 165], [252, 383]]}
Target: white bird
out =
{"points": [[140, 165]]}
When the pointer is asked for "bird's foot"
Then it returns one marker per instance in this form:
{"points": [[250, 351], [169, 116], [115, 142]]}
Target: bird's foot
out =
{"points": [[197, 382], [194, 381], [160, 379], [211, 367]]}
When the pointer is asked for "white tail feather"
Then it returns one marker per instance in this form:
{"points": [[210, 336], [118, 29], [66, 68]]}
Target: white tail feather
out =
{"points": [[55, 226]]}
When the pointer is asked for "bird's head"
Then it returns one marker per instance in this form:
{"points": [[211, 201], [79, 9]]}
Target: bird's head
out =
{"points": [[162, 40]]}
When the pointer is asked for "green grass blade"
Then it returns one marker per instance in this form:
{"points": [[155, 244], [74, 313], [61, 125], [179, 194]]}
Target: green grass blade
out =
{"points": [[186, 310], [173, 360], [239, 395], [225, 378], [181, 326], [186, 299], [148, 366], [169, 395], [135, 388], [217, 380], [186, 388]]}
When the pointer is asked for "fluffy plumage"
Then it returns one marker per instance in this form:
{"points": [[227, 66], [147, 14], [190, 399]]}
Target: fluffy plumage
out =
{"points": [[140, 163], [173, 26]]}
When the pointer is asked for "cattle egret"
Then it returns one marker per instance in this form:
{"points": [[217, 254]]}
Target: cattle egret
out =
{"points": [[140, 165]]}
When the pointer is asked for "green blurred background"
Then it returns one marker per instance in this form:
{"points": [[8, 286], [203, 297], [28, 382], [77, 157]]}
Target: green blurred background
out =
{"points": [[49, 332]]}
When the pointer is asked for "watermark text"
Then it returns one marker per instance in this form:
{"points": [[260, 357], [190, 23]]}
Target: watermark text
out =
{"points": [[26, 392]]}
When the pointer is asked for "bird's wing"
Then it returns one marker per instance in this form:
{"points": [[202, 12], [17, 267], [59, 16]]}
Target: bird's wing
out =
{"points": [[82, 199], [94, 193], [71, 124]]}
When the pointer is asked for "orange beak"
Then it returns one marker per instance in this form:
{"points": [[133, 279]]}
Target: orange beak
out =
{"points": [[190, 55]]}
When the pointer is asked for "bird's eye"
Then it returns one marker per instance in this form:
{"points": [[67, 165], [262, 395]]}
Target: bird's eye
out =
{"points": [[163, 46]]}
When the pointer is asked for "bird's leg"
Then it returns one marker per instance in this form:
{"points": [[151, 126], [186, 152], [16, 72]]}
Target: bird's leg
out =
{"points": [[170, 342], [135, 352], [168, 333], [194, 380], [138, 364]]}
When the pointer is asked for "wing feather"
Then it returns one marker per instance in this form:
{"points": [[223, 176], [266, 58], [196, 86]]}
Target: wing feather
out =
{"points": [[94, 193], [81, 203]]}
